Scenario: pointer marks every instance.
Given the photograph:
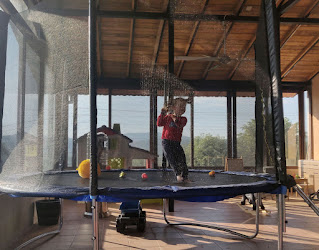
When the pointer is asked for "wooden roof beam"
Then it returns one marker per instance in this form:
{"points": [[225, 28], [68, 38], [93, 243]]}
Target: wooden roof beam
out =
{"points": [[286, 6], [296, 27], [245, 53], [182, 17], [199, 17], [188, 47], [238, 9], [159, 35], [191, 38], [304, 52], [292, 64], [248, 48], [131, 40], [251, 43], [198, 85], [217, 50], [279, 3]]}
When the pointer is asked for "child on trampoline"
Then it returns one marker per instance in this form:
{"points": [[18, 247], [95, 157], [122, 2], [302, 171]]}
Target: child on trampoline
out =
{"points": [[173, 123]]}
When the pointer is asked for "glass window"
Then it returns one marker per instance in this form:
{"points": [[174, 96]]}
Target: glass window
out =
{"points": [[246, 130], [31, 105], [291, 122], [102, 103], [307, 124], [210, 131], [133, 115], [10, 106]]}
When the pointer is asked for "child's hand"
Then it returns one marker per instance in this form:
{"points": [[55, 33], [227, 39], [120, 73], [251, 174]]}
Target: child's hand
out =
{"points": [[164, 110]]}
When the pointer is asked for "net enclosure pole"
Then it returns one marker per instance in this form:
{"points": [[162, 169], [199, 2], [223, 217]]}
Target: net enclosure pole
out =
{"points": [[92, 31], [92, 93], [268, 90], [273, 37], [234, 124], [171, 11], [229, 127]]}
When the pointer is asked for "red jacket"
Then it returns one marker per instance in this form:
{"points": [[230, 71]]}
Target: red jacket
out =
{"points": [[172, 130]]}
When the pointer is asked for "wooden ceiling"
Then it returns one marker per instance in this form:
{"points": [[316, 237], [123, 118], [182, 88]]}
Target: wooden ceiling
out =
{"points": [[130, 38]]}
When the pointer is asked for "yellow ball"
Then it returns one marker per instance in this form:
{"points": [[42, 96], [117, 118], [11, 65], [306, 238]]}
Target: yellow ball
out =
{"points": [[212, 173], [84, 169], [122, 174]]}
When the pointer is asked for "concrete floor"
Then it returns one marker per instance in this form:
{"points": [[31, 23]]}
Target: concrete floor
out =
{"points": [[302, 228]]}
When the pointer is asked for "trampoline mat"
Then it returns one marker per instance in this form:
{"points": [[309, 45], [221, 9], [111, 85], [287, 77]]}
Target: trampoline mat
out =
{"points": [[159, 184]]}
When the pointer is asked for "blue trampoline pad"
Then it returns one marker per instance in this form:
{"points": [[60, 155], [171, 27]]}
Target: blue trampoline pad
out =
{"points": [[159, 184]]}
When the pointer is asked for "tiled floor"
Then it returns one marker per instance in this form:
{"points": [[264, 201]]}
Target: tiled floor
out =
{"points": [[302, 228]]}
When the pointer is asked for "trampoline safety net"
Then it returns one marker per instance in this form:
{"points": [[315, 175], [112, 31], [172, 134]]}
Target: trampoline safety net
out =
{"points": [[45, 126]]}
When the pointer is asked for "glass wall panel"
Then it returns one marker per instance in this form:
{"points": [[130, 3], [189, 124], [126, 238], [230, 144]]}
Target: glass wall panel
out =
{"points": [[10, 107], [210, 131], [43, 71], [132, 115], [291, 121], [246, 130], [307, 118]]}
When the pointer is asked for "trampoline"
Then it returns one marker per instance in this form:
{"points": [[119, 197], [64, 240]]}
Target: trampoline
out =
{"points": [[159, 184], [55, 68]]}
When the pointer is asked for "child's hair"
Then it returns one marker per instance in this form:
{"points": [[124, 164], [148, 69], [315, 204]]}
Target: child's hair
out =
{"points": [[177, 100]]}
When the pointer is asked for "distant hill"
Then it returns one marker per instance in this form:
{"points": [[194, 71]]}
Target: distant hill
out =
{"points": [[142, 140]]}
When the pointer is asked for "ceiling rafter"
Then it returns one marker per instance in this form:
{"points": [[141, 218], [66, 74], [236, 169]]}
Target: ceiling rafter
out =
{"points": [[131, 40], [251, 43], [293, 63], [306, 49], [296, 27], [197, 85], [279, 3], [286, 6], [243, 55], [238, 9], [217, 50], [247, 49], [187, 17], [180, 17], [159, 35], [191, 38]]}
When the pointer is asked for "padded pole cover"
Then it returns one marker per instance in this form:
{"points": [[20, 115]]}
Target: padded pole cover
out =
{"points": [[92, 87], [269, 22]]}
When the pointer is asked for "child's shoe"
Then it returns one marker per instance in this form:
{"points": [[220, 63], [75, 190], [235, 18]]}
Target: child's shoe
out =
{"points": [[187, 180]]}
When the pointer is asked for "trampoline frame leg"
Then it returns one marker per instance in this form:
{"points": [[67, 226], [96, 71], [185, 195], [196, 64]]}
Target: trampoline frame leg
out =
{"points": [[95, 218], [48, 233], [281, 220], [219, 228]]}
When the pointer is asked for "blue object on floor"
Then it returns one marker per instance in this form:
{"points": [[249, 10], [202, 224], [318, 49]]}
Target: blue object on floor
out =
{"points": [[131, 214]]}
